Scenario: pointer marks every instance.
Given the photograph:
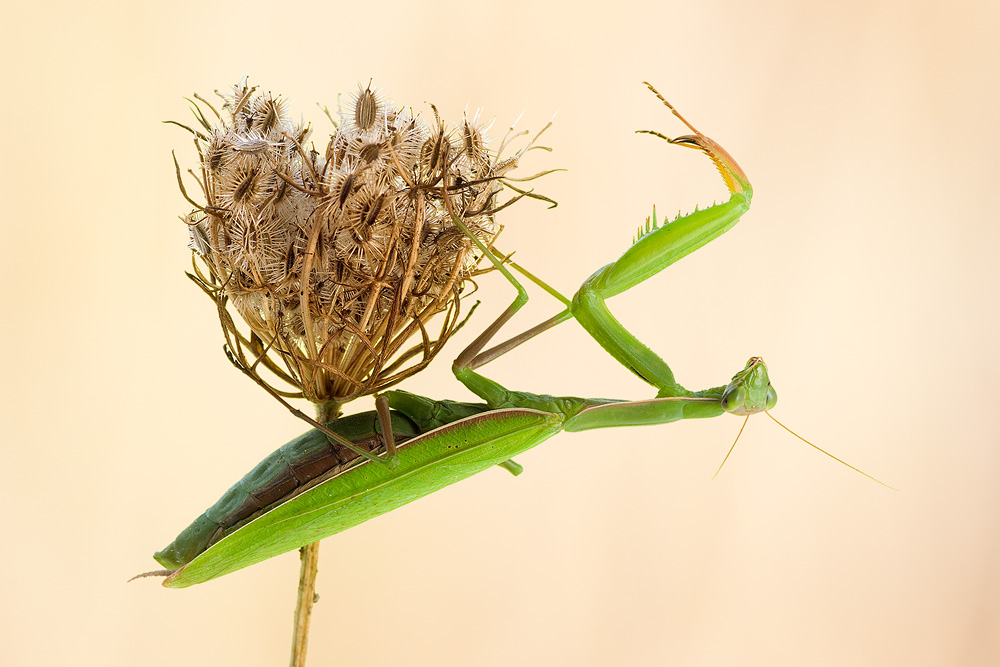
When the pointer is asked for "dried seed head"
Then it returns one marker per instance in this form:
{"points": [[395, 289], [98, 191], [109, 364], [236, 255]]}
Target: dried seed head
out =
{"points": [[336, 262]]}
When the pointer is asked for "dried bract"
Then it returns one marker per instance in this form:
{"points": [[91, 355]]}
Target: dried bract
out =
{"points": [[337, 261]]}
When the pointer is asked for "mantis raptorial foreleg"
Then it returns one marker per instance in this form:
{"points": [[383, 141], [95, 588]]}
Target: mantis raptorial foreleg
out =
{"points": [[655, 250]]}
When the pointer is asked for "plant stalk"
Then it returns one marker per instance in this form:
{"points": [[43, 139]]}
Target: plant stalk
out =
{"points": [[309, 555], [309, 566]]}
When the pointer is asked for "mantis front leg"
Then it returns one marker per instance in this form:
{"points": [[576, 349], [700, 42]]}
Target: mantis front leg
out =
{"points": [[655, 250]]}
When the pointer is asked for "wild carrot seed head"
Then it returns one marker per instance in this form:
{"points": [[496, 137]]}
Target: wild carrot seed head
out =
{"points": [[337, 261]]}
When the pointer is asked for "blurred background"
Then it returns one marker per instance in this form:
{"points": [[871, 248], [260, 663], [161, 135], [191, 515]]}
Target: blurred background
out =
{"points": [[864, 274]]}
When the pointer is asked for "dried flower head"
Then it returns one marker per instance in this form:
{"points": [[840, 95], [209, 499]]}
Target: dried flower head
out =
{"points": [[337, 260]]}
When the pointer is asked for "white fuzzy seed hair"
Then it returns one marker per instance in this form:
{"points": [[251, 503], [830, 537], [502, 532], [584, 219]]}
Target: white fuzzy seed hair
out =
{"points": [[336, 261]]}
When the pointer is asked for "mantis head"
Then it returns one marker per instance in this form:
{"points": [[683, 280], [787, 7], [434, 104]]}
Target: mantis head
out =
{"points": [[750, 391]]}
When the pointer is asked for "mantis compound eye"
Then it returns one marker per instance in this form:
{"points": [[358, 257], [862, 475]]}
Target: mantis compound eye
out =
{"points": [[772, 398], [734, 399]]}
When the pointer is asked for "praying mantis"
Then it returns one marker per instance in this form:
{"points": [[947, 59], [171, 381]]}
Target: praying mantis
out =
{"points": [[308, 490]]}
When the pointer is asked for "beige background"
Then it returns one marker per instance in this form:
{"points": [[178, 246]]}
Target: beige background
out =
{"points": [[864, 274]]}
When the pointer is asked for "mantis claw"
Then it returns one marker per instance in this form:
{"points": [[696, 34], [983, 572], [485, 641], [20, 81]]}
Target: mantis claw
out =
{"points": [[734, 176]]}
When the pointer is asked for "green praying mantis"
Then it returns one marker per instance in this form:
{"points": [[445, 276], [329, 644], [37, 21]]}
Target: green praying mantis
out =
{"points": [[312, 488]]}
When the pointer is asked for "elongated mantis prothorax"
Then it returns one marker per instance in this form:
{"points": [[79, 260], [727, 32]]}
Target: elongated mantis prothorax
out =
{"points": [[337, 260]]}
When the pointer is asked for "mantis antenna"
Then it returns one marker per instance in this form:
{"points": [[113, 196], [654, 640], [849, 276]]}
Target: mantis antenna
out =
{"points": [[826, 452], [816, 447], [733, 446]]}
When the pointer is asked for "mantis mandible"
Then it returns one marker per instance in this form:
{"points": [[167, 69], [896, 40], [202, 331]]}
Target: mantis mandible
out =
{"points": [[312, 488]]}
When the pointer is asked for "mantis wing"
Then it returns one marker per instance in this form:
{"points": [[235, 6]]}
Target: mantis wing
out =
{"points": [[426, 463]]}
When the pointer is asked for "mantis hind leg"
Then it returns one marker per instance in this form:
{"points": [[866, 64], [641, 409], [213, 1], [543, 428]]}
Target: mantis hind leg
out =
{"points": [[391, 459]]}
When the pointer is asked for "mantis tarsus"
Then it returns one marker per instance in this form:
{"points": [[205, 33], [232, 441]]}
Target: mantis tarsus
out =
{"points": [[287, 502]]}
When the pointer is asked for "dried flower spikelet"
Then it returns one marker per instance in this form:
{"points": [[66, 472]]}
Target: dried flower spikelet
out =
{"points": [[337, 261]]}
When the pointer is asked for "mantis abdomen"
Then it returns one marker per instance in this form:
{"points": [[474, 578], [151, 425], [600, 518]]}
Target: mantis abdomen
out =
{"points": [[304, 462], [284, 473]]}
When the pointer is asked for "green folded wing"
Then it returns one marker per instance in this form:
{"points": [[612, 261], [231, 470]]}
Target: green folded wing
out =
{"points": [[202, 532], [426, 463]]}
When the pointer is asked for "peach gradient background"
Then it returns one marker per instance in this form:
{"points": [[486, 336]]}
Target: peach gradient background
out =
{"points": [[864, 274]]}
